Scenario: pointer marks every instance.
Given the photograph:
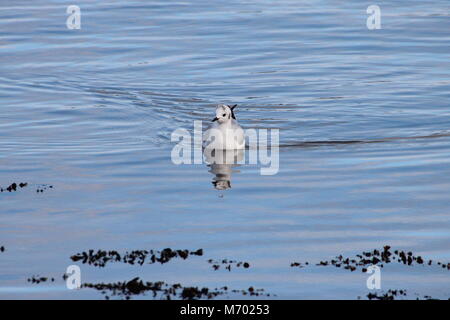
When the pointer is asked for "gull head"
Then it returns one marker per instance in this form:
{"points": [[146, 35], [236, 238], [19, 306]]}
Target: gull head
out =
{"points": [[224, 113]]}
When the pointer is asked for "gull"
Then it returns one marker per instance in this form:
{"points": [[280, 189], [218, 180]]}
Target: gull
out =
{"points": [[225, 133]]}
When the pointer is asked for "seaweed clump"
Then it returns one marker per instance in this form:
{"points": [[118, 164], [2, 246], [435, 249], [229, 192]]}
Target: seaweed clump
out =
{"points": [[228, 264], [160, 289], [14, 186], [101, 257], [39, 279], [375, 257]]}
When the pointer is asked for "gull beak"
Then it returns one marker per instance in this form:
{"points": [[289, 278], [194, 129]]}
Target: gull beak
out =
{"points": [[215, 119]]}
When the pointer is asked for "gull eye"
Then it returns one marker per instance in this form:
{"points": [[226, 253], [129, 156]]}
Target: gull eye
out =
{"points": [[224, 115]]}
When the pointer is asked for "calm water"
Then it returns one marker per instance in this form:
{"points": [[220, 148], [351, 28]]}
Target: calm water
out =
{"points": [[364, 133]]}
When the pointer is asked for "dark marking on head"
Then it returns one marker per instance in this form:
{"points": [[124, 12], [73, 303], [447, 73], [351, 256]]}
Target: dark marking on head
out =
{"points": [[232, 112]]}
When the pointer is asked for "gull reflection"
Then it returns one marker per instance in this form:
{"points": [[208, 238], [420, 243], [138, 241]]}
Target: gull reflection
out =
{"points": [[221, 164]]}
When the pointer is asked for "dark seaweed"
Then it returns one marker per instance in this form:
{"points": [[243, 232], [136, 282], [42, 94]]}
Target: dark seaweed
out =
{"points": [[102, 257], [299, 264], [228, 264], [392, 294], [162, 290], [388, 295], [39, 279], [375, 257], [13, 187], [41, 188]]}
